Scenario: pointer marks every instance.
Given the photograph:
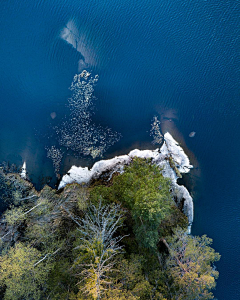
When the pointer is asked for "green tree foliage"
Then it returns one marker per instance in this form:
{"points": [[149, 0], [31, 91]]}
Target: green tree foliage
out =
{"points": [[129, 279], [12, 187], [116, 240], [190, 266], [44, 222], [134, 278], [20, 273], [145, 192], [14, 215], [61, 283]]}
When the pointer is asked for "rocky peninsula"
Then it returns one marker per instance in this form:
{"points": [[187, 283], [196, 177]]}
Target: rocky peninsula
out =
{"points": [[126, 220], [170, 158]]}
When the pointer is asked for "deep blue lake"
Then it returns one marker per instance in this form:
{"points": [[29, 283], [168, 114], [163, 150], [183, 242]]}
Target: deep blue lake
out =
{"points": [[178, 60]]}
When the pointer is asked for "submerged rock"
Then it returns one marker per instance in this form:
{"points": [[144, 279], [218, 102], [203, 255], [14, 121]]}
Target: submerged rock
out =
{"points": [[192, 134]]}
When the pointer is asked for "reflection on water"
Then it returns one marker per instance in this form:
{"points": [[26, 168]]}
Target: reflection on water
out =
{"points": [[79, 41]]}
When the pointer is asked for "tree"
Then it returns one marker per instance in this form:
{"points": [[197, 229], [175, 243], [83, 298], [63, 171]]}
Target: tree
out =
{"points": [[43, 225], [97, 247], [146, 193], [92, 264], [129, 280], [20, 273], [190, 266]]}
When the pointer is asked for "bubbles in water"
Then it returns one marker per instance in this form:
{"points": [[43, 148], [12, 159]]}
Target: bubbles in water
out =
{"points": [[56, 156], [79, 133], [156, 132]]}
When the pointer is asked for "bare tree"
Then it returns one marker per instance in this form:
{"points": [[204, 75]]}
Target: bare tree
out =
{"points": [[98, 239]]}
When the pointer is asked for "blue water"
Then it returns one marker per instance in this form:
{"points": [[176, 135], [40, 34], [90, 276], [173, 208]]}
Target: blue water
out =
{"points": [[151, 57]]}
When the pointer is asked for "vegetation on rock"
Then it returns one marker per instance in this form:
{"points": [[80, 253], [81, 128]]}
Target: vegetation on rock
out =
{"points": [[124, 238]]}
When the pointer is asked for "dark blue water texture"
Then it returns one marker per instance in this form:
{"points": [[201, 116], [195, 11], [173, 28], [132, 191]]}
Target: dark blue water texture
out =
{"points": [[151, 57]]}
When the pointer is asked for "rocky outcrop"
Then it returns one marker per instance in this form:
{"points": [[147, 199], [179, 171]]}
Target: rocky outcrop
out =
{"points": [[23, 173], [170, 158]]}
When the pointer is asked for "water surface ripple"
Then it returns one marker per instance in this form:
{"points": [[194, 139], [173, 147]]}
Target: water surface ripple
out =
{"points": [[176, 59]]}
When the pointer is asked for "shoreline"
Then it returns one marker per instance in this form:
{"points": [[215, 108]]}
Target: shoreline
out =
{"points": [[170, 157]]}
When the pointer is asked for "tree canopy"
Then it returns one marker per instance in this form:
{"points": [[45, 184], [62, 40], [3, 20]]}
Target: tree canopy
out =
{"points": [[146, 193], [123, 238]]}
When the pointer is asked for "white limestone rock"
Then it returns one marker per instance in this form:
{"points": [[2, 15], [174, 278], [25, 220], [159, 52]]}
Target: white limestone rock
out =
{"points": [[160, 157], [84, 175], [177, 153], [181, 195], [23, 173]]}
